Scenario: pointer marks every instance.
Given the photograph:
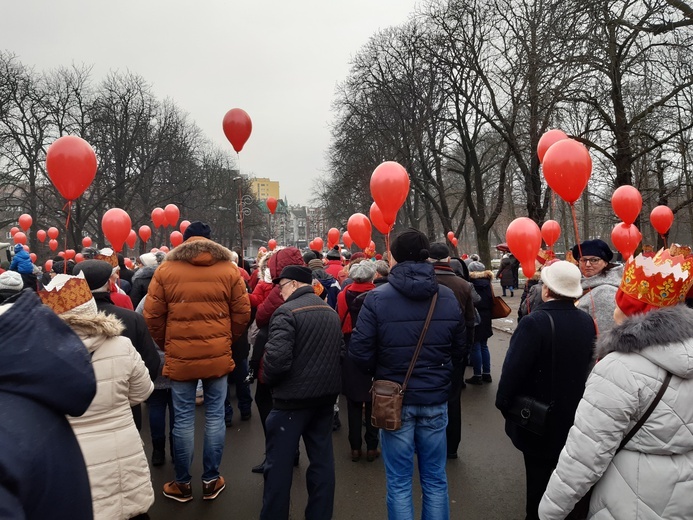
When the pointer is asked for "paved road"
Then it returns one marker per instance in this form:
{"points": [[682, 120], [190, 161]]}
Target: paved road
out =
{"points": [[486, 482]]}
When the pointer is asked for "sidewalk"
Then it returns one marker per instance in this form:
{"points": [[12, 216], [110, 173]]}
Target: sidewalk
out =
{"points": [[507, 324]]}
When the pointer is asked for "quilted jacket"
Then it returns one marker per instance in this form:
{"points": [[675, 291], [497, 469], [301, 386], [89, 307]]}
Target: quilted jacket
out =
{"points": [[302, 355], [390, 323], [652, 477], [196, 306]]}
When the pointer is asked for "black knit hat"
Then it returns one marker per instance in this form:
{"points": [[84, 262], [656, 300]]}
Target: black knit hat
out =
{"points": [[438, 251], [197, 229], [410, 246], [96, 272], [296, 272], [594, 247], [333, 254]]}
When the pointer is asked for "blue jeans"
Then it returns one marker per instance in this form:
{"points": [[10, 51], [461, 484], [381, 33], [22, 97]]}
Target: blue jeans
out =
{"points": [[423, 434], [245, 399], [183, 393], [480, 358]]}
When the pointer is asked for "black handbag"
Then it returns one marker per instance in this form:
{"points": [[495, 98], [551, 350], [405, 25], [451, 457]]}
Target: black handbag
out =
{"points": [[527, 411]]}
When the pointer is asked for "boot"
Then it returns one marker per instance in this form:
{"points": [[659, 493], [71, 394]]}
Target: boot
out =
{"points": [[159, 453], [260, 468]]}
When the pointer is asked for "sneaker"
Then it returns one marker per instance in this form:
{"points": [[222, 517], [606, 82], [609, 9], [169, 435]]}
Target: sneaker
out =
{"points": [[486, 378], [474, 380], [178, 491], [211, 489]]}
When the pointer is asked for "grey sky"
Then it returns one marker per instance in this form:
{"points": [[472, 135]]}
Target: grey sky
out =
{"points": [[278, 60]]}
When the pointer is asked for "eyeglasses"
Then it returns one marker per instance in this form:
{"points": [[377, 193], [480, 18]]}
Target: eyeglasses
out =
{"points": [[590, 260], [281, 285]]}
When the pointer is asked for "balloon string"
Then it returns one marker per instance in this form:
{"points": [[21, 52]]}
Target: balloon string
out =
{"points": [[67, 227], [387, 248], [664, 238]]}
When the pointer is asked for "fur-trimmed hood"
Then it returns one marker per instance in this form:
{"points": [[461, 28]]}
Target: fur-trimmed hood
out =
{"points": [[94, 330], [199, 251], [481, 274], [663, 336]]}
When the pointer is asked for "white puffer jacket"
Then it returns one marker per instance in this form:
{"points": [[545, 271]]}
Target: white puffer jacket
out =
{"points": [[652, 477], [119, 476]]}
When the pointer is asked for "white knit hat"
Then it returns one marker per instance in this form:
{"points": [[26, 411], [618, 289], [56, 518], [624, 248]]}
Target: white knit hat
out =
{"points": [[11, 281], [562, 278], [148, 260]]}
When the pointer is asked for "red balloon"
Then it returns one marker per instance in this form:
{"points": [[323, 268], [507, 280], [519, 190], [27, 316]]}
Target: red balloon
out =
{"points": [[71, 165], [165, 249], [69, 254], [332, 237], [145, 233], [237, 127], [359, 228], [26, 248], [176, 238], [550, 231], [33, 257], [528, 268], [116, 225], [14, 231], [52, 232], [454, 241], [48, 266], [567, 167], [661, 219], [131, 240], [61, 254], [184, 225], [41, 235], [19, 238], [319, 244], [172, 214], [389, 189], [263, 249], [550, 137], [25, 221], [128, 263], [271, 204], [346, 238], [311, 245], [79, 257], [450, 235], [524, 239], [53, 244], [626, 238], [154, 250], [378, 220], [86, 242], [158, 217], [627, 203], [271, 244]]}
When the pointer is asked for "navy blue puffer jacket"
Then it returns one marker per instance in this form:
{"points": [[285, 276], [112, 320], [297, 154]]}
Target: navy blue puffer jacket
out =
{"points": [[388, 329]]}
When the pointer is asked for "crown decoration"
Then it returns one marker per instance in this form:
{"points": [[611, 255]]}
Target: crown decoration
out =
{"points": [[544, 255], [73, 293], [661, 280], [112, 259]]}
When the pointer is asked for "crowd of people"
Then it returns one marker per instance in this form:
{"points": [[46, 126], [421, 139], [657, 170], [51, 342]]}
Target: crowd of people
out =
{"points": [[615, 439]]}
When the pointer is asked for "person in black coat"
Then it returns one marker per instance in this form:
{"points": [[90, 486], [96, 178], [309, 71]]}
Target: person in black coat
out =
{"points": [[480, 356], [551, 366], [301, 364], [45, 374]]}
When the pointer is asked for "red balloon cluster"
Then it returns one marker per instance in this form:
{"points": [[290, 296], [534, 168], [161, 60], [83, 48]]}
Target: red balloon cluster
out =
{"points": [[524, 240], [567, 167], [237, 128], [71, 166], [452, 238], [550, 231], [271, 204], [116, 225], [359, 229], [626, 238], [389, 189]]}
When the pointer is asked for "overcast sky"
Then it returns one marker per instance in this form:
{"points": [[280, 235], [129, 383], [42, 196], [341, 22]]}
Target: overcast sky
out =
{"points": [[278, 60]]}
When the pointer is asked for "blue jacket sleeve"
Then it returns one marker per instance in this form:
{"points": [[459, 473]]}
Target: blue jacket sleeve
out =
{"points": [[364, 345]]}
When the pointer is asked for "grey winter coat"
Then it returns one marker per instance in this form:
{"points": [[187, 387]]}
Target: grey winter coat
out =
{"points": [[599, 298], [302, 355], [652, 477]]}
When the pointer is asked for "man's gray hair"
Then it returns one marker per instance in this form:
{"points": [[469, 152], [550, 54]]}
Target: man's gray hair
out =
{"points": [[382, 268]]}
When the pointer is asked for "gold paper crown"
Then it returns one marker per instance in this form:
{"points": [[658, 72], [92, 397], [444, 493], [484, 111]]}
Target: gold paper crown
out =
{"points": [[113, 259], [661, 280], [544, 255], [74, 293]]}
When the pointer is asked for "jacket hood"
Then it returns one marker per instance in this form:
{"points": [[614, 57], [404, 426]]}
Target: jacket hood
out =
{"points": [[415, 280], [612, 277], [199, 251], [43, 359], [145, 272], [663, 336], [479, 275], [282, 258]]}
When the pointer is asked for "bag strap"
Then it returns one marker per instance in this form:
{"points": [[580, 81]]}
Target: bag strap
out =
{"points": [[421, 340], [647, 413]]}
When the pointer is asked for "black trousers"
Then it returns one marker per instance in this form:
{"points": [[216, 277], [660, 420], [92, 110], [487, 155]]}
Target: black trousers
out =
{"points": [[263, 401], [538, 470], [355, 416], [453, 432], [284, 430]]}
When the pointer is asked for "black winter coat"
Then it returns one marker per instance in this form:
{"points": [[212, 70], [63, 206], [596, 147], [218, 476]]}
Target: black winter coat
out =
{"points": [[302, 355], [135, 330], [140, 283], [45, 374], [463, 292], [527, 370], [390, 324], [481, 280]]}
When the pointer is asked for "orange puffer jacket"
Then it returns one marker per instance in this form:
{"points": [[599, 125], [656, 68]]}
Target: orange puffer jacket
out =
{"points": [[197, 305]]}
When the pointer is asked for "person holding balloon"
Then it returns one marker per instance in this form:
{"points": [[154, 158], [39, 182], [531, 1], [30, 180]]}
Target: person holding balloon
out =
{"points": [[600, 281]]}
